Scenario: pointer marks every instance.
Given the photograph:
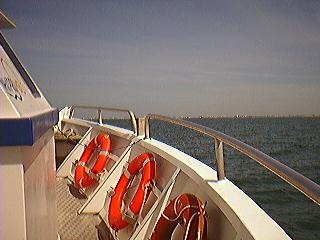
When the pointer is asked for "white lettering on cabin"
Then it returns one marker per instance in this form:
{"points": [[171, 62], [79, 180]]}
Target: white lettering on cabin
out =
{"points": [[10, 81]]}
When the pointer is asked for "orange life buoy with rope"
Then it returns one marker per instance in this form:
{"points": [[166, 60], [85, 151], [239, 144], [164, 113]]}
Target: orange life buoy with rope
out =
{"points": [[189, 212], [85, 176], [118, 218]]}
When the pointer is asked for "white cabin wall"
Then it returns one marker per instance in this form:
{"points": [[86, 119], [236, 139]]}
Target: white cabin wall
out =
{"points": [[40, 188], [27, 190], [12, 206]]}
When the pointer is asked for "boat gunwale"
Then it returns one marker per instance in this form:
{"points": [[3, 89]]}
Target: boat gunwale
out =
{"points": [[224, 194]]}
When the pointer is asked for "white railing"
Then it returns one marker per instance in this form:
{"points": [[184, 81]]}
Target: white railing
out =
{"points": [[297, 180], [300, 182], [99, 114]]}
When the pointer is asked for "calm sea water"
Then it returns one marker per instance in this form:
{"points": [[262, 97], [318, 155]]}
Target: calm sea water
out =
{"points": [[293, 141]]}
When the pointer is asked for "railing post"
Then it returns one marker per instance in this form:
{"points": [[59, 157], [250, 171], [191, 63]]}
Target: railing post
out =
{"points": [[71, 112], [147, 127], [219, 157], [141, 127], [133, 122], [100, 116]]}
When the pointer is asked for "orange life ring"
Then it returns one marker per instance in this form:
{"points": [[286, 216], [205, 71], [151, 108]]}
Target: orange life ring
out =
{"points": [[117, 217], [188, 211], [85, 176]]}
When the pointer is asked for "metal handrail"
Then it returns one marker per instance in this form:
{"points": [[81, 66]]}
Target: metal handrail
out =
{"points": [[100, 109], [295, 179]]}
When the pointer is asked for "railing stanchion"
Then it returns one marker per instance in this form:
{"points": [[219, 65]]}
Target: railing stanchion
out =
{"points": [[147, 127], [100, 116], [71, 112], [133, 122], [219, 157]]}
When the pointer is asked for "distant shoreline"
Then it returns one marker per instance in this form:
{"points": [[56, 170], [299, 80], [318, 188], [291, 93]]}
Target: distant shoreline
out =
{"points": [[225, 117], [247, 116]]}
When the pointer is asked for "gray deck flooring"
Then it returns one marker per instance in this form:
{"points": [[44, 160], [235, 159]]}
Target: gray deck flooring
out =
{"points": [[70, 225]]}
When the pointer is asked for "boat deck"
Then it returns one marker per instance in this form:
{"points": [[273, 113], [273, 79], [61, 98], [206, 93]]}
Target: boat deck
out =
{"points": [[72, 226]]}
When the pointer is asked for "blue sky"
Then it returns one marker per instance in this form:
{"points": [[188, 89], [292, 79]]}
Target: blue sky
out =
{"points": [[173, 57]]}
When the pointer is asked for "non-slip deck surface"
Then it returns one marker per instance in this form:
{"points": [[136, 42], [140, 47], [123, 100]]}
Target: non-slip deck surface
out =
{"points": [[70, 225]]}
